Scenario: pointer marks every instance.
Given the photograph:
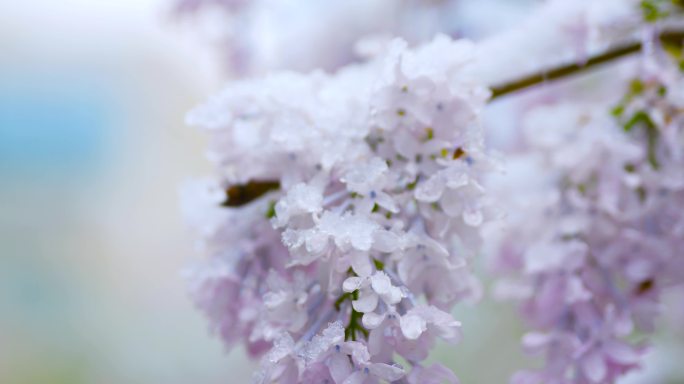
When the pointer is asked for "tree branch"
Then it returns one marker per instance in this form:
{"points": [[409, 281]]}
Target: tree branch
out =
{"points": [[242, 194], [669, 37]]}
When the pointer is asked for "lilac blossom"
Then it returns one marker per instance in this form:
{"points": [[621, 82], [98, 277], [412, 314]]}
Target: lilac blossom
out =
{"points": [[347, 268], [599, 238], [379, 170]]}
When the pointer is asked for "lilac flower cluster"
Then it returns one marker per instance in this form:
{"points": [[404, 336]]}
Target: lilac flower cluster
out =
{"points": [[600, 237], [347, 270], [347, 207]]}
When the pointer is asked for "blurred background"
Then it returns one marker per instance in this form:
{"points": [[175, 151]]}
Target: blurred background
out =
{"points": [[93, 148]]}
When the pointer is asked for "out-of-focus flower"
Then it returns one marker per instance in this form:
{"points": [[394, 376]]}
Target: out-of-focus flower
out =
{"points": [[256, 36], [591, 256]]}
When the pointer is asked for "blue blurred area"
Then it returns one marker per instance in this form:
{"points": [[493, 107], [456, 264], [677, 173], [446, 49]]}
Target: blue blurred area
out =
{"points": [[92, 150], [58, 126]]}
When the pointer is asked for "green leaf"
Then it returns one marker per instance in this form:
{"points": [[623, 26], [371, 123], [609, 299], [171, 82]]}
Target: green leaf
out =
{"points": [[636, 87], [271, 213], [618, 110], [651, 11]]}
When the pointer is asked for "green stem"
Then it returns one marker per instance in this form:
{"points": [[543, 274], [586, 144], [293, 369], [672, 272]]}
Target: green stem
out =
{"points": [[355, 325]]}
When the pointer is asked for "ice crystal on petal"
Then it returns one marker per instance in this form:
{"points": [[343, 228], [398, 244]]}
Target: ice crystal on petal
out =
{"points": [[349, 230], [301, 199]]}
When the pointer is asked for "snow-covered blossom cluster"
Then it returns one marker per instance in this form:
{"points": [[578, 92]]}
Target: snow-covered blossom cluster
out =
{"points": [[347, 266], [600, 227]]}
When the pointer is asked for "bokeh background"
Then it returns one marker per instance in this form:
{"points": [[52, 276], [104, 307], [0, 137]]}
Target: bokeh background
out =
{"points": [[93, 148]]}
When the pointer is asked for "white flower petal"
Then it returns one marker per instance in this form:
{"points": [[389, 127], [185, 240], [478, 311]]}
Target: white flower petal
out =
{"points": [[352, 283], [394, 296], [357, 377], [386, 201], [363, 179], [534, 342], [381, 283], [412, 326], [372, 320], [430, 190], [316, 242], [472, 217], [340, 367], [594, 367], [361, 264], [621, 353], [366, 303], [385, 241], [386, 371]]}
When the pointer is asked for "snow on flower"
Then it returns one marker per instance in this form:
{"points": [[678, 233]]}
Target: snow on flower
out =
{"points": [[353, 155]]}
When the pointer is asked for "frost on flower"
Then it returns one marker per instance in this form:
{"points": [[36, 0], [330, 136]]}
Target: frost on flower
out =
{"points": [[360, 254]]}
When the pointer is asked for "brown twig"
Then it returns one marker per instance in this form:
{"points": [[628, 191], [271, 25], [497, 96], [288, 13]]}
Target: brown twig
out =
{"points": [[671, 37], [241, 194]]}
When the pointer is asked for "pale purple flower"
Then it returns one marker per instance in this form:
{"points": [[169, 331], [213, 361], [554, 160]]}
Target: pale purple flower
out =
{"points": [[357, 244], [589, 261]]}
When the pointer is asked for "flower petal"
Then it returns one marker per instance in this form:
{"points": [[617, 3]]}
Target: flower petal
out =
{"points": [[366, 303], [340, 367], [352, 283], [594, 367], [386, 372], [621, 353], [412, 326], [381, 283], [372, 320]]}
